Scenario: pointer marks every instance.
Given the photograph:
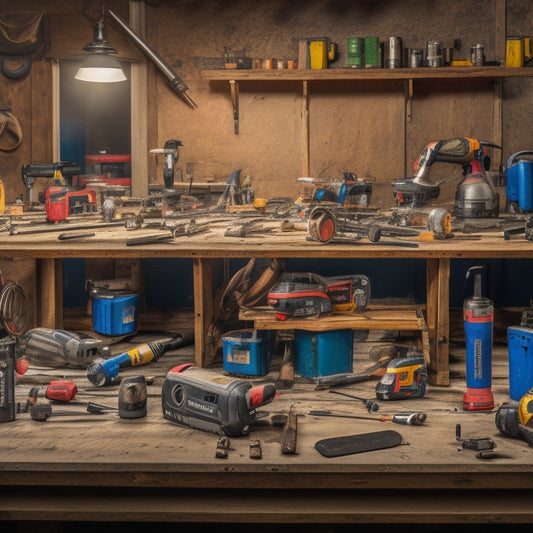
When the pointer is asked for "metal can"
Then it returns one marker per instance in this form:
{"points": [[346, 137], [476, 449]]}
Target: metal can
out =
{"points": [[415, 58], [434, 54], [393, 53], [478, 55], [355, 52]]}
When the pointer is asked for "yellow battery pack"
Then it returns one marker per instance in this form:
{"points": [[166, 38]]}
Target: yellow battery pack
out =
{"points": [[514, 53]]}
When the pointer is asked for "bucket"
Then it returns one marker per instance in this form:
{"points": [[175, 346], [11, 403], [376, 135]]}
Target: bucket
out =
{"points": [[519, 184], [520, 346]]}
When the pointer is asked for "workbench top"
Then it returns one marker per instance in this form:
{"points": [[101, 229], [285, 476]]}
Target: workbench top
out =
{"points": [[268, 241]]}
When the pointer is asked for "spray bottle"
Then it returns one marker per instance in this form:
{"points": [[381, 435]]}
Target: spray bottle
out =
{"points": [[478, 315]]}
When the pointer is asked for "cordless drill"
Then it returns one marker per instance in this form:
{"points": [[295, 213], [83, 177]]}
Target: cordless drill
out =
{"points": [[61, 171], [103, 371]]}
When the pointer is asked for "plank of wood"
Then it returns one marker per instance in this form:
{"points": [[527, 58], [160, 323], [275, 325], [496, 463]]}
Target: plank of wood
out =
{"points": [[393, 319]]}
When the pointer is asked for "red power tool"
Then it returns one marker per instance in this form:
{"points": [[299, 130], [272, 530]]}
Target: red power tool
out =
{"points": [[63, 391], [60, 202]]}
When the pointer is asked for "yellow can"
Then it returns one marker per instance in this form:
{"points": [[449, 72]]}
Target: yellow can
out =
{"points": [[514, 53]]}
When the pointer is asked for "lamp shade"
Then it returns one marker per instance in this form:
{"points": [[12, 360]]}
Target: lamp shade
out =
{"points": [[100, 68]]}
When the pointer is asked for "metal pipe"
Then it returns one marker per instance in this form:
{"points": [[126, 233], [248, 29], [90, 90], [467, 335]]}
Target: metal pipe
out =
{"points": [[180, 86]]}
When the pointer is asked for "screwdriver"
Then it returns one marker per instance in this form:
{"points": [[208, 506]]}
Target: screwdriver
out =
{"points": [[371, 405], [406, 419], [63, 391]]}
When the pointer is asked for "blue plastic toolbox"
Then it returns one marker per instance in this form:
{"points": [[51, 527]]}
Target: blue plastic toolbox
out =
{"points": [[115, 314], [323, 354]]}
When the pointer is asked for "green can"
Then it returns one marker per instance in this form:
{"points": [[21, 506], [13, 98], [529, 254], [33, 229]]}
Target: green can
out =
{"points": [[355, 52], [372, 52]]}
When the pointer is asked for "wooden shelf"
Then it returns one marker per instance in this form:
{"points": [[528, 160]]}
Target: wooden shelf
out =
{"points": [[402, 318], [364, 74]]}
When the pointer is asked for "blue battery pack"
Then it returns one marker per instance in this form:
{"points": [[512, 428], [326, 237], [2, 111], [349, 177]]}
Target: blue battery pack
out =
{"points": [[115, 314], [323, 354], [247, 351]]}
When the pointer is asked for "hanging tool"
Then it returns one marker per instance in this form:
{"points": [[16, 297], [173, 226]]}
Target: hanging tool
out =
{"points": [[406, 419], [478, 316], [171, 153], [58, 347], [102, 372], [404, 378], [370, 405], [175, 81]]}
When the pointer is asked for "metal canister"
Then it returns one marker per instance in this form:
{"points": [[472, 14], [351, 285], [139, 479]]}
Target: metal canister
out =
{"points": [[434, 54], [415, 58], [478, 55], [393, 53], [355, 52]]}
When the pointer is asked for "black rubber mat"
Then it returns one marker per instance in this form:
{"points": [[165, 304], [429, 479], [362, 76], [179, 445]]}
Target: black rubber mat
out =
{"points": [[364, 442]]}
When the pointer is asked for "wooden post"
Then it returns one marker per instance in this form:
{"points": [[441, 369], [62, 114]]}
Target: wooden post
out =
{"points": [[203, 309], [50, 293], [438, 319], [139, 115]]}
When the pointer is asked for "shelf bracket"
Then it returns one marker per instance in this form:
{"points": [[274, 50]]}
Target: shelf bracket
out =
{"points": [[409, 92], [234, 87]]}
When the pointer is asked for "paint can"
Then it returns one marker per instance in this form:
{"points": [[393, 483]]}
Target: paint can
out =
{"points": [[393, 53], [372, 52], [478, 55], [434, 54], [355, 52], [415, 58]]}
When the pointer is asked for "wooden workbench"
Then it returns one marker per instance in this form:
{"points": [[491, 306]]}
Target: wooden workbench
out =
{"points": [[153, 470]]}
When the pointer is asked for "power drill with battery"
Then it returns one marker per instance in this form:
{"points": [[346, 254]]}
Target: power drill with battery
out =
{"points": [[102, 371], [58, 348], [515, 419]]}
